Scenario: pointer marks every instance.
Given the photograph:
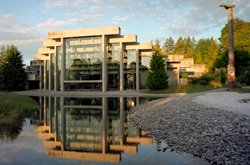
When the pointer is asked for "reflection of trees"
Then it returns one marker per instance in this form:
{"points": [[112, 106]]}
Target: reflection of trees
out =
{"points": [[11, 127]]}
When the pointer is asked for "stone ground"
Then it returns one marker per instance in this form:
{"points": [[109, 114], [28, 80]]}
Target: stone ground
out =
{"points": [[212, 125]]}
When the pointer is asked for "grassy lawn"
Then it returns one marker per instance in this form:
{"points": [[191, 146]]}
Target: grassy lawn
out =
{"points": [[10, 103], [243, 90], [13, 109], [183, 89]]}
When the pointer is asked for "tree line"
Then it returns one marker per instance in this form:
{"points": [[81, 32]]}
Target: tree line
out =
{"points": [[208, 51]]}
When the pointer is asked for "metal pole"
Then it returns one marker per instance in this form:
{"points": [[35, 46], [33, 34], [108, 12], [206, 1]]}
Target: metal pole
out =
{"points": [[230, 66]]}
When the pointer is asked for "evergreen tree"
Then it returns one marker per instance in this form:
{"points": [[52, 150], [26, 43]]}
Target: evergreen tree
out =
{"points": [[12, 73], [169, 46], [157, 47], [206, 52], [157, 77], [179, 46]]}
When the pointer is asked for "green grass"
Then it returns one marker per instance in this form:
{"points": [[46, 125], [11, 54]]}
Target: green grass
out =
{"points": [[243, 90], [183, 89], [10, 103], [13, 109]]}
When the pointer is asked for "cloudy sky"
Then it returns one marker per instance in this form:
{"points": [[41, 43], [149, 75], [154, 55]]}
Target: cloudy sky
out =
{"points": [[26, 23]]}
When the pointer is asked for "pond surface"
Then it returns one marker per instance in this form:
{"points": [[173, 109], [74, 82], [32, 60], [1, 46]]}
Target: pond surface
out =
{"points": [[87, 130]]}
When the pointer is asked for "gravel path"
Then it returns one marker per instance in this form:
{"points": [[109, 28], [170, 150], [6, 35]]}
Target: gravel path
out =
{"points": [[219, 136]]}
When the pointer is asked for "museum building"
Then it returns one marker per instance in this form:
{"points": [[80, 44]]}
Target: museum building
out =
{"points": [[99, 59]]}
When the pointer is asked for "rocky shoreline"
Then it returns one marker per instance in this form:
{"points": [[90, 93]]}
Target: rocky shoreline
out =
{"points": [[215, 135]]}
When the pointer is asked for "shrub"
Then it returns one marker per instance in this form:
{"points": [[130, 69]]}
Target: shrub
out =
{"points": [[184, 75]]}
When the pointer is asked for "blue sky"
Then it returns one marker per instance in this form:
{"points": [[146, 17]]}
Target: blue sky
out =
{"points": [[26, 23]]}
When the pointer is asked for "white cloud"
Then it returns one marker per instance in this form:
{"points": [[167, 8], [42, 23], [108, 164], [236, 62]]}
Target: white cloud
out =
{"points": [[20, 42], [50, 24], [9, 24]]}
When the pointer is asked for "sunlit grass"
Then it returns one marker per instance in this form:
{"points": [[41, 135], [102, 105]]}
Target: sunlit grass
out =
{"points": [[243, 90], [11, 104], [183, 89]]}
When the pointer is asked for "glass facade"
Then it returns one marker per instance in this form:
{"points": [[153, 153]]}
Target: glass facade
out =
{"points": [[83, 58], [95, 61], [144, 68], [83, 63], [130, 69], [58, 67], [113, 60], [53, 69], [89, 125]]}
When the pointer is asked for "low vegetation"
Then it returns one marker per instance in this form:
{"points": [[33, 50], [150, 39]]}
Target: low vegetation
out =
{"points": [[183, 89], [13, 109]]}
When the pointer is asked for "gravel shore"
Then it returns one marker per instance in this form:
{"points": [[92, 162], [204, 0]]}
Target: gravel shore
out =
{"points": [[216, 135]]}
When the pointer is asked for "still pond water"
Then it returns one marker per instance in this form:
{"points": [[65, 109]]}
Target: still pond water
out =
{"points": [[73, 130]]}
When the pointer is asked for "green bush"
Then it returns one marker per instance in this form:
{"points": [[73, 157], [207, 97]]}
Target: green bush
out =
{"points": [[244, 78], [184, 75]]}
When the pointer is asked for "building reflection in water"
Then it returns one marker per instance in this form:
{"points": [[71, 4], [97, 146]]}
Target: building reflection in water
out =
{"points": [[88, 128]]}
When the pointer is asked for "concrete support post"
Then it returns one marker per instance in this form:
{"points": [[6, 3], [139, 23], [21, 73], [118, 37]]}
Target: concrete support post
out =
{"points": [[63, 123], [121, 55], [50, 70], [55, 69], [41, 77], [63, 56], [121, 120], [40, 108], [137, 101], [104, 124], [44, 111], [104, 64], [56, 118], [45, 75], [50, 115], [137, 70]]}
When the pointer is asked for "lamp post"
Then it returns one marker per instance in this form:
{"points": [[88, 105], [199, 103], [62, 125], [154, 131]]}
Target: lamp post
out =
{"points": [[230, 66]]}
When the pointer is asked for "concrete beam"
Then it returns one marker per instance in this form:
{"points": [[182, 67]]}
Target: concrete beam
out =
{"points": [[84, 32]]}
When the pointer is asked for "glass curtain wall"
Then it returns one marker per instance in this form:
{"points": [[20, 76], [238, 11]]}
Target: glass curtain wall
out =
{"points": [[130, 69], [83, 124], [47, 74], [144, 69], [53, 68], [83, 63], [58, 67], [113, 60]]}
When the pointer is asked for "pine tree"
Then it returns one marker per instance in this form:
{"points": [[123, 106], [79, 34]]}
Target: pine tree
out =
{"points": [[12, 73], [179, 46], [169, 46], [157, 77]]}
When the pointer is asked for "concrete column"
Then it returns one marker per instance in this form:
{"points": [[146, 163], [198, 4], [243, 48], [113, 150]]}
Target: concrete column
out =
{"points": [[55, 69], [50, 116], [121, 67], [45, 75], [56, 118], [40, 108], [137, 71], [63, 56], [104, 64], [50, 71], [104, 124], [63, 123], [44, 112], [121, 120], [41, 77], [137, 101]]}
